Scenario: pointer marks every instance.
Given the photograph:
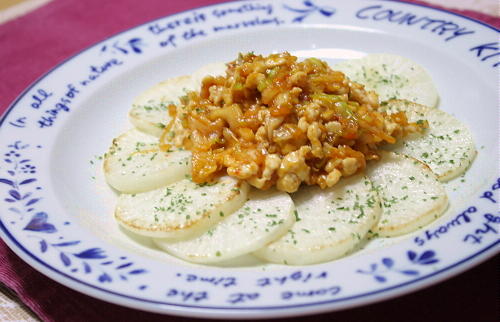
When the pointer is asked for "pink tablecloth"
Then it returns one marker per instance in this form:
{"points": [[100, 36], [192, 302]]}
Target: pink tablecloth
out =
{"points": [[32, 44]]}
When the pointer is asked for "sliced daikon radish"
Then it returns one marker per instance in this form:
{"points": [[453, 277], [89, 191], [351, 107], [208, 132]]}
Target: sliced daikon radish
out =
{"points": [[392, 76], [134, 163], [262, 219], [180, 210], [330, 223], [149, 110], [446, 146], [214, 69], [410, 193]]}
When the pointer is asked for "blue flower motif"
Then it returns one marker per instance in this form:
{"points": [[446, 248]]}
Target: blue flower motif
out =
{"points": [[426, 258], [378, 271], [135, 44], [38, 223], [18, 182], [28, 168], [309, 8], [22, 195], [132, 45]]}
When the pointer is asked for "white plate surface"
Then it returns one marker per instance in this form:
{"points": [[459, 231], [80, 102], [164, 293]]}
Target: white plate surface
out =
{"points": [[56, 210]]}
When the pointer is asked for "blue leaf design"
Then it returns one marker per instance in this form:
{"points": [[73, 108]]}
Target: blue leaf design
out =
{"points": [[124, 265], [373, 267], [27, 181], [8, 160], [26, 195], [24, 161], [137, 271], [105, 278], [134, 43], [387, 262], [86, 268], [411, 255], [43, 246], [14, 194], [298, 19], [7, 181], [326, 13], [430, 261], [32, 201], [91, 253], [123, 277], [308, 3], [9, 200], [12, 173], [39, 223], [64, 244], [426, 255], [107, 263], [380, 279], [409, 272], [65, 259]]}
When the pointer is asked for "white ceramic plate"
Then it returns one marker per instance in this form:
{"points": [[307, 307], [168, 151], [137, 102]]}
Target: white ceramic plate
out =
{"points": [[56, 210]]}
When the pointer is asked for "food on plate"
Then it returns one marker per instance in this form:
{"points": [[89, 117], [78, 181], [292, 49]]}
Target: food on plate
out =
{"points": [[330, 223], [410, 193], [266, 156], [149, 110], [392, 76], [446, 146], [275, 121], [135, 163], [261, 220], [180, 209]]}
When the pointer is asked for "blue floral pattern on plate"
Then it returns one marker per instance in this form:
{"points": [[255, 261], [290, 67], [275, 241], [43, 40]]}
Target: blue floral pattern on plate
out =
{"points": [[23, 197], [387, 264], [308, 9]]}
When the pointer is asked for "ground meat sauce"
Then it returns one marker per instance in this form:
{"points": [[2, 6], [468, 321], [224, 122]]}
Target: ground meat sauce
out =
{"points": [[274, 121]]}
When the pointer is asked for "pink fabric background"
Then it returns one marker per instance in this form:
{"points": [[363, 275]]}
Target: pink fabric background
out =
{"points": [[34, 43]]}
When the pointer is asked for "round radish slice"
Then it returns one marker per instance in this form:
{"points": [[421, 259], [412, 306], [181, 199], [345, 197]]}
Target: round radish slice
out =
{"points": [[262, 219], [180, 210], [330, 223], [410, 193], [446, 146], [392, 76], [134, 163]]}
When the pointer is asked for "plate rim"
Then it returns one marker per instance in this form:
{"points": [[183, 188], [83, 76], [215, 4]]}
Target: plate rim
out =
{"points": [[483, 253]]}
